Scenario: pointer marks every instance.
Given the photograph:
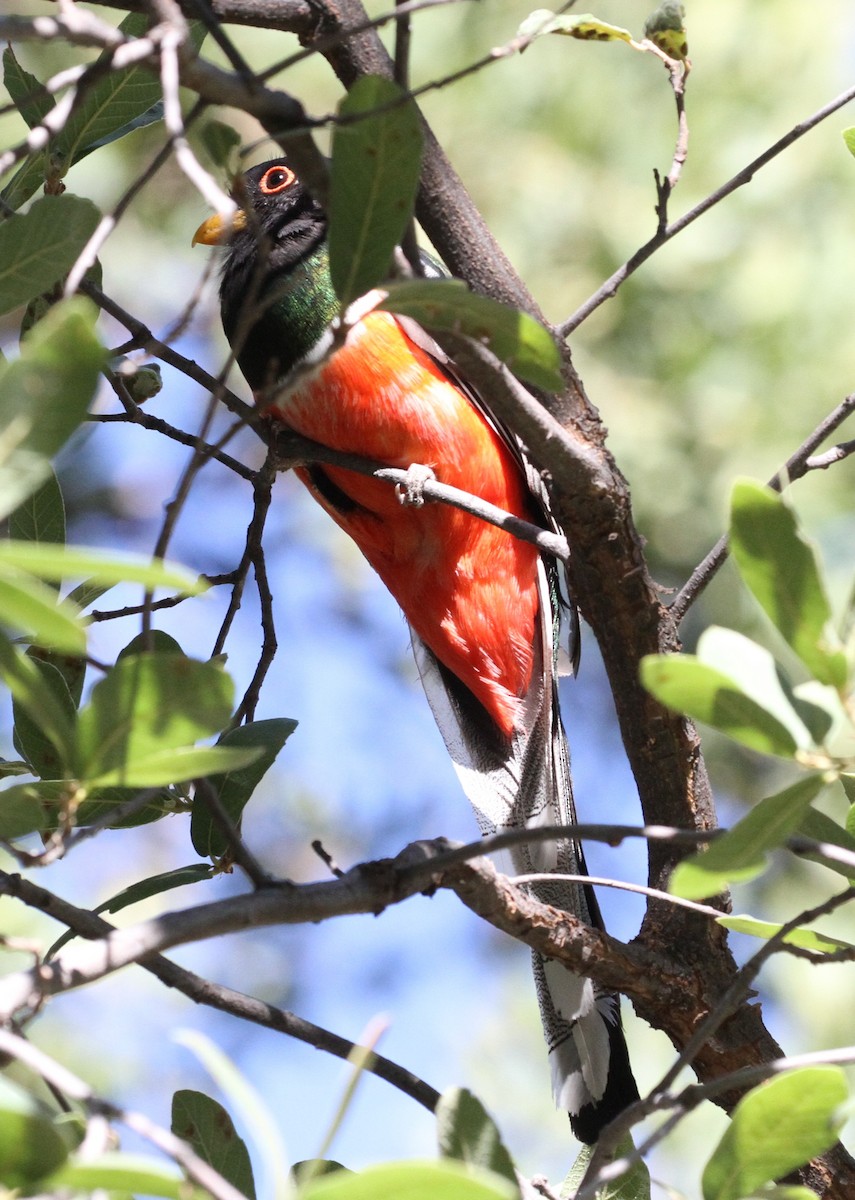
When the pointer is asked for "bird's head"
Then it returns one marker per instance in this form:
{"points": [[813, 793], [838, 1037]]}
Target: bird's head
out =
{"points": [[274, 209]]}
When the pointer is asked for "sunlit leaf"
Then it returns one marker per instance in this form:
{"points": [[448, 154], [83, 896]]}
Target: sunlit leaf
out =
{"points": [[807, 939], [21, 812], [161, 767], [526, 346], [756, 673], [685, 684], [740, 853], [585, 26], [777, 1127], [64, 562], [123, 1173], [44, 396], [444, 1180], [781, 569], [146, 706], [34, 612], [376, 156]]}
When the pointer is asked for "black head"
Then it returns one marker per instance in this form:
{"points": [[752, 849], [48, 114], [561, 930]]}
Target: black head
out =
{"points": [[277, 227], [275, 208]]}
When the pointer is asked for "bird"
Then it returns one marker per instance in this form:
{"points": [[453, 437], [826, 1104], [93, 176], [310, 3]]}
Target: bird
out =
{"points": [[482, 605]]}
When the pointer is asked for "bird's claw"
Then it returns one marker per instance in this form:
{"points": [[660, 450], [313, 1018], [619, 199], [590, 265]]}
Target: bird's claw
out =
{"points": [[411, 491]]}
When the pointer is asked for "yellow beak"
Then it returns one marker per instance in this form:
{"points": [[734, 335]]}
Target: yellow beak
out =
{"points": [[218, 229]]}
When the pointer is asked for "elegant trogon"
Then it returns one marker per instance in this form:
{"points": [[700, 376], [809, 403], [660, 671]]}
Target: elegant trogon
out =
{"points": [[480, 603]]}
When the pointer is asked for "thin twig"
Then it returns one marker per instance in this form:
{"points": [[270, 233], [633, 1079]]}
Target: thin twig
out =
{"points": [[238, 851], [224, 999], [608, 289], [54, 1073], [143, 339], [297, 451], [601, 1169], [795, 467]]}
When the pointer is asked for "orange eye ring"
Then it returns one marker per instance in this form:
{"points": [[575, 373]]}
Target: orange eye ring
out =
{"points": [[276, 179]]}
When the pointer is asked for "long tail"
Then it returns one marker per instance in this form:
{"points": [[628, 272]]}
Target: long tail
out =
{"points": [[527, 784]]}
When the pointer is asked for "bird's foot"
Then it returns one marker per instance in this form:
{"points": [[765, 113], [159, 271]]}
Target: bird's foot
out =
{"points": [[411, 491]]}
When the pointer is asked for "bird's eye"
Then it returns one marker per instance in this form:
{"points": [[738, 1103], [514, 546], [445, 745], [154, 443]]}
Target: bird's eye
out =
{"points": [[275, 180]]}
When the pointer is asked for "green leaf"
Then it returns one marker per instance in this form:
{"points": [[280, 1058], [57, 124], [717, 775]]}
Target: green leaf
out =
{"points": [[41, 517], [31, 1146], [807, 939], [72, 668], [665, 28], [376, 158], [689, 686], [150, 117], [40, 247], [817, 706], [209, 1129], [26, 92], [311, 1168], [777, 1127], [103, 801], [849, 138], [848, 782], [756, 673], [35, 612], [586, 27], [155, 885], [32, 737], [222, 142], [236, 788], [526, 346], [783, 1191], [123, 1173], [21, 812], [444, 1180], [38, 698], [156, 640], [780, 568], [44, 396], [159, 768], [62, 562], [145, 706], [820, 828], [634, 1185], [117, 99], [11, 767], [26, 181], [468, 1133], [740, 853], [250, 1109]]}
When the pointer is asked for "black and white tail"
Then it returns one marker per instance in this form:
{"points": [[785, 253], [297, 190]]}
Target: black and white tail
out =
{"points": [[526, 784]]}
